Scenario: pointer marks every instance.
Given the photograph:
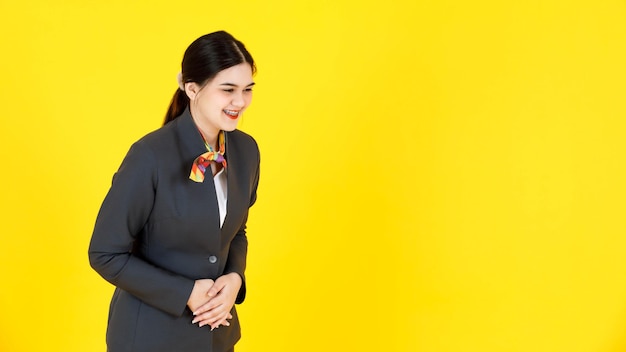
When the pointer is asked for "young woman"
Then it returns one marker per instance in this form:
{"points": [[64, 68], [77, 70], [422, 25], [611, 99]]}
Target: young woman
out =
{"points": [[171, 232]]}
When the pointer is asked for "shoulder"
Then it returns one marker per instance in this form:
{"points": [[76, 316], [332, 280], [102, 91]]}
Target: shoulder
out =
{"points": [[159, 136], [159, 141], [146, 152]]}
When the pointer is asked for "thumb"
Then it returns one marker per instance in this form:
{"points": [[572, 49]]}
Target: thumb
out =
{"points": [[216, 288]]}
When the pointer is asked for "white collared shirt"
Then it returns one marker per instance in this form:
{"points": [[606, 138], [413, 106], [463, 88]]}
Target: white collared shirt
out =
{"points": [[221, 190]]}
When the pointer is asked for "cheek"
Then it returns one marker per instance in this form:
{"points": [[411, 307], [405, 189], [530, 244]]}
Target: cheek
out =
{"points": [[216, 104]]}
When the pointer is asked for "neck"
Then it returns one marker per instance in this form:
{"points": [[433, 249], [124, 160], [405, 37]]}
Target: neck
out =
{"points": [[211, 140], [209, 134]]}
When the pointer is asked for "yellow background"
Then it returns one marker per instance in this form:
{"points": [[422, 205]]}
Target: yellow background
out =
{"points": [[436, 175]]}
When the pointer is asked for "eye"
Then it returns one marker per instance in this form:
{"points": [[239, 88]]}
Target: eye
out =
{"points": [[229, 90], [248, 89]]}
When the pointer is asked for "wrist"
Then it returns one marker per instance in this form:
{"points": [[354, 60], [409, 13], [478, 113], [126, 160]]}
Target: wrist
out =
{"points": [[191, 296], [235, 277]]}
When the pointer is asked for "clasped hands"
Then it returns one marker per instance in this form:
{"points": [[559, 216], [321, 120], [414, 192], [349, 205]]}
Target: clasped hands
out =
{"points": [[211, 301]]}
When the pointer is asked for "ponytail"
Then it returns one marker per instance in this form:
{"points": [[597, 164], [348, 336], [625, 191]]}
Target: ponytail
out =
{"points": [[177, 106]]}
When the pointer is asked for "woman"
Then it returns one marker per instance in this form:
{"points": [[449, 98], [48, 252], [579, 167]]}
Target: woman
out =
{"points": [[171, 232]]}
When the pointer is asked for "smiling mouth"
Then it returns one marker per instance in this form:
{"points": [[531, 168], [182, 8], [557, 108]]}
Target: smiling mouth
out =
{"points": [[232, 113]]}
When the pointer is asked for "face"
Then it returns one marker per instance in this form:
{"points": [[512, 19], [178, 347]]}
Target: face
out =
{"points": [[219, 104]]}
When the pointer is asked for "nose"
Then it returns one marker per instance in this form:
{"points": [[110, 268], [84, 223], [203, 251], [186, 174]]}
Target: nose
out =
{"points": [[238, 100]]}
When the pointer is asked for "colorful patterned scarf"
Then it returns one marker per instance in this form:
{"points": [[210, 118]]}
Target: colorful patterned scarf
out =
{"points": [[203, 162]]}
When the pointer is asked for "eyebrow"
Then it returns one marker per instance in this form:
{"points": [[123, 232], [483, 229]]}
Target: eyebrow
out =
{"points": [[234, 85]]}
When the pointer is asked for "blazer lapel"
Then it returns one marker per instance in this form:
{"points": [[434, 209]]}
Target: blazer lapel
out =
{"points": [[202, 194], [235, 196]]}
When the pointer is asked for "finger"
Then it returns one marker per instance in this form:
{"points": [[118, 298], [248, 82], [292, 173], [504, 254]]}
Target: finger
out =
{"points": [[213, 315], [214, 321], [219, 323], [209, 316], [211, 321], [205, 319], [220, 299], [223, 321], [208, 306], [216, 288]]}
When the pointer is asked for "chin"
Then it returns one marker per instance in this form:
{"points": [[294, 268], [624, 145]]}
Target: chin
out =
{"points": [[230, 126]]}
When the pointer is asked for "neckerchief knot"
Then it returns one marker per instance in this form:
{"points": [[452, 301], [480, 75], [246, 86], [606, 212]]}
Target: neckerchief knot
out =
{"points": [[203, 162]]}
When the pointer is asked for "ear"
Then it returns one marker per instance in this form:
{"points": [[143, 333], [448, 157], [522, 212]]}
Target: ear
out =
{"points": [[192, 89]]}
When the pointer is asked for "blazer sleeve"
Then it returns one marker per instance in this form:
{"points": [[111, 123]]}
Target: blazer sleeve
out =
{"points": [[122, 217], [236, 262]]}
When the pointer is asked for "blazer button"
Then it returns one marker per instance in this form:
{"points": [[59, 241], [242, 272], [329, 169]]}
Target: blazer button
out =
{"points": [[212, 259]]}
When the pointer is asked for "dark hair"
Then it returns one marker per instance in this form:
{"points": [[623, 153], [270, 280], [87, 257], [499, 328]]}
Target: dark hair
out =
{"points": [[203, 60]]}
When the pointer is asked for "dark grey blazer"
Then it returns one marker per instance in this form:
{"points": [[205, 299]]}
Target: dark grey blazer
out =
{"points": [[157, 231]]}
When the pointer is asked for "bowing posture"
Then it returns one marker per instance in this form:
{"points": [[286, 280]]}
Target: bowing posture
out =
{"points": [[171, 232]]}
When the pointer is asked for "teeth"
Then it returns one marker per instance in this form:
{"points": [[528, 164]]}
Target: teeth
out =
{"points": [[231, 113]]}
